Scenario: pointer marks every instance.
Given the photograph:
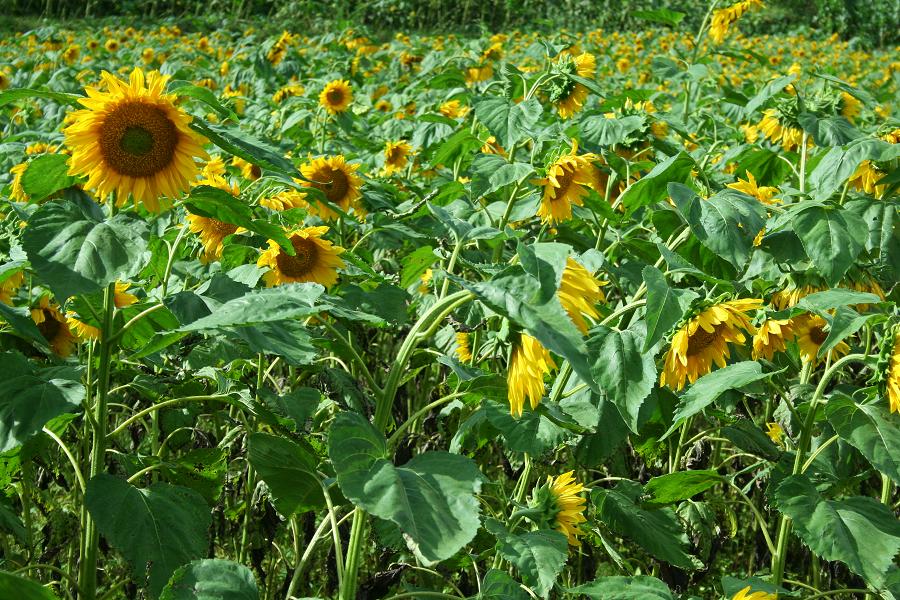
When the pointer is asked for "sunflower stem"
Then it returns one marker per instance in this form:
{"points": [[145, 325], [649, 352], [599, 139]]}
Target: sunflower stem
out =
{"points": [[803, 152]]}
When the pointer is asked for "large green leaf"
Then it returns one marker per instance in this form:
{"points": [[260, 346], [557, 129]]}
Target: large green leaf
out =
{"points": [[74, 250], [19, 588], [841, 162], [832, 238], [623, 372], [532, 432], [538, 555], [19, 318], [157, 529], [8, 96], [29, 397], [600, 131], [498, 585], [46, 175], [770, 89], [652, 187], [211, 579], [618, 587], [431, 498], [665, 305], [657, 531], [843, 324], [871, 429], [242, 144], [678, 486], [830, 131], [289, 470], [507, 120], [858, 531], [289, 301]]}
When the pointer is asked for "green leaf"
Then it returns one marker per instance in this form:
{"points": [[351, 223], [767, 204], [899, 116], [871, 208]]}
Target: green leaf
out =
{"points": [[18, 94], [461, 143], [858, 531], [157, 529], [13, 586], [768, 90], [498, 585], [831, 237], [841, 162], [242, 144], [660, 15], [678, 486], [507, 121], [726, 223], [415, 264], [618, 587], [74, 250], [652, 187], [845, 323], [750, 438], [30, 397], [19, 318], [431, 498], [200, 469], [830, 131], [623, 371], [708, 388], [289, 470], [871, 429], [665, 305], [733, 585], [538, 555], [823, 302], [657, 531], [204, 95], [600, 131], [46, 175], [532, 432], [211, 579], [289, 301]]}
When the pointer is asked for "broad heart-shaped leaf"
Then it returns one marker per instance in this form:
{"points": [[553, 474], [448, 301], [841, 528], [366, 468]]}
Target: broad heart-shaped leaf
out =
{"points": [[19, 588], [843, 324], [678, 486], [665, 305], [242, 144], [431, 498], [708, 388], [830, 131], [871, 429], [498, 585], [46, 175], [159, 528], [211, 579], [532, 432], [288, 301], [30, 397], [600, 131], [74, 250], [858, 531], [618, 587], [841, 162], [621, 369], [832, 238], [505, 119], [726, 223], [289, 470], [538, 555], [657, 531], [768, 90], [211, 202], [652, 187]]}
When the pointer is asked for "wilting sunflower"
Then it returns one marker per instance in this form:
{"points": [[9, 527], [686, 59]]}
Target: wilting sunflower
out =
{"points": [[703, 341], [316, 259], [579, 292], [10, 285], [724, 18], [528, 364], [764, 194], [463, 349], [16, 191], [893, 374], [285, 200], [133, 139], [560, 507], [850, 106], [811, 334], [771, 338], [746, 594], [791, 294], [248, 169], [452, 109], [566, 183], [567, 94], [788, 136], [396, 156], [336, 96], [53, 326], [338, 181], [86, 331]]}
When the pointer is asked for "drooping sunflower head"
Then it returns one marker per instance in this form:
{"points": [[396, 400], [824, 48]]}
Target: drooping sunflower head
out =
{"points": [[724, 18], [336, 96], [338, 180], [866, 177], [580, 292], [763, 193], [703, 341], [567, 94], [54, 327], [557, 505], [463, 349], [285, 200], [567, 182], [812, 331], [396, 156], [315, 259], [771, 337], [9, 284], [133, 140], [780, 124], [17, 192], [794, 289], [888, 373], [529, 362]]}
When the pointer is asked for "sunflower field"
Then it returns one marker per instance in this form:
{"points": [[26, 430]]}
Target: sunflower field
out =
{"points": [[608, 314]]}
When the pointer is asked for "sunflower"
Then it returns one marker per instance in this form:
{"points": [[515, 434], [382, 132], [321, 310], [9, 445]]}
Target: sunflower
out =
{"points": [[147, 55], [133, 139], [248, 169], [764, 194], [865, 179], [569, 96], [72, 53], [285, 200], [337, 180], [579, 292], [566, 184], [316, 259], [528, 364], [569, 505], [492, 146], [10, 285], [811, 334], [850, 106], [452, 109], [16, 191], [792, 294], [771, 338], [704, 340], [893, 375], [425, 281], [288, 91], [85, 331], [746, 594], [396, 156], [771, 127], [775, 433], [724, 18], [53, 326], [336, 96], [463, 350]]}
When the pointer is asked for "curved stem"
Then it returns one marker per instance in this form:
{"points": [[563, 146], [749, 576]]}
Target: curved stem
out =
{"points": [[171, 261], [836, 592], [764, 527], [141, 414], [69, 455], [298, 570], [135, 319], [424, 410], [353, 354]]}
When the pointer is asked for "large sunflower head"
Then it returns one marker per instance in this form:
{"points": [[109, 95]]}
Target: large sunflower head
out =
{"points": [[338, 181], [579, 292], [315, 259], [567, 182], [133, 139], [567, 94], [559, 506], [703, 341], [812, 331], [396, 156], [528, 364], [54, 327], [336, 96]]}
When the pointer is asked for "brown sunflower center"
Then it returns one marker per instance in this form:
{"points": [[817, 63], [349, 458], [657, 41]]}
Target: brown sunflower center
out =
{"points": [[138, 139], [817, 335], [565, 182], [49, 328], [701, 339], [300, 265], [221, 227], [336, 185], [335, 96], [395, 155]]}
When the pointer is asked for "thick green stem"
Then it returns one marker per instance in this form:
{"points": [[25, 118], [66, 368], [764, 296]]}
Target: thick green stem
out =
{"points": [[357, 535]]}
